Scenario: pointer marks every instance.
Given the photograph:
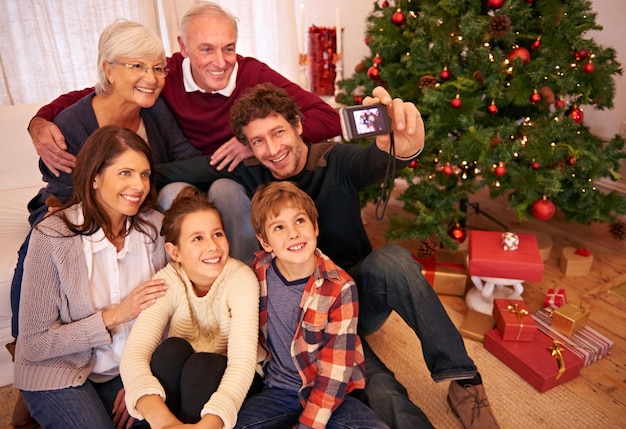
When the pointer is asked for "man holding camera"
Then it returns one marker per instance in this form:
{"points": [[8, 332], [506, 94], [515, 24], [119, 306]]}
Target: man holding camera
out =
{"points": [[268, 120]]}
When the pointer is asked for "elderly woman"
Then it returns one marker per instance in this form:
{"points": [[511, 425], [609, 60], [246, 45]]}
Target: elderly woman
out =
{"points": [[87, 276], [131, 70]]}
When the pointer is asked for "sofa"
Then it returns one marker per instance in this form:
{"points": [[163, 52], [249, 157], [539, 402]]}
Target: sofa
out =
{"points": [[19, 181]]}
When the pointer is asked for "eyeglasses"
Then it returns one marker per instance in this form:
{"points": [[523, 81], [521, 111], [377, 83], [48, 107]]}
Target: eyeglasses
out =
{"points": [[160, 71]]}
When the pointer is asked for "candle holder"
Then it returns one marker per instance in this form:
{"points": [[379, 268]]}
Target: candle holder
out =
{"points": [[303, 62]]}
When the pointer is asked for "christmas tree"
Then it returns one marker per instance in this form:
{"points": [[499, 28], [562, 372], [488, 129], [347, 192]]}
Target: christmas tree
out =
{"points": [[501, 85]]}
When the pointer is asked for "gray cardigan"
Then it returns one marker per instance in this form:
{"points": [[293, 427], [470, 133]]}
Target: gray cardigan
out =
{"points": [[59, 327]]}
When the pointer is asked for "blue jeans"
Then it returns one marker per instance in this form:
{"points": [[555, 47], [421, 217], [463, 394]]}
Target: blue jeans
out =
{"points": [[275, 408], [390, 279], [230, 198], [87, 406]]}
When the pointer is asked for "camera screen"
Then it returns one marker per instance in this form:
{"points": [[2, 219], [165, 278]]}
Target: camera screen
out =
{"points": [[368, 121]]}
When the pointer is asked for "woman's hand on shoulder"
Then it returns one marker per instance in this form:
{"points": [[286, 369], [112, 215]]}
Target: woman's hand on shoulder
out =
{"points": [[140, 298]]}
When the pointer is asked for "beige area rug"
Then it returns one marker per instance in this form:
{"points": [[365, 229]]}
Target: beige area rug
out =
{"points": [[515, 403]]}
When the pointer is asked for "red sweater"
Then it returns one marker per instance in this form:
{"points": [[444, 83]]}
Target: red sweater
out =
{"points": [[203, 117]]}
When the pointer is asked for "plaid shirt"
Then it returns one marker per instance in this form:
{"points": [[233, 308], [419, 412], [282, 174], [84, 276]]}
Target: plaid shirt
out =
{"points": [[326, 349]]}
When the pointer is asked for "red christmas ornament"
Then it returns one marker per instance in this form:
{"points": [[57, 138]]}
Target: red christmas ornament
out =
{"points": [[368, 39], [492, 108], [577, 115], [499, 170], [385, 4], [535, 165], [456, 102], [543, 209], [536, 44], [377, 60], [521, 53], [445, 74], [373, 73], [530, 1], [398, 18], [413, 164], [589, 67], [535, 97], [581, 55], [457, 233], [447, 170], [495, 4], [571, 161], [559, 103], [358, 99]]}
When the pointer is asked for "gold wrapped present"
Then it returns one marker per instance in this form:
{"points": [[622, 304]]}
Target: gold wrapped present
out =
{"points": [[446, 273], [569, 318], [476, 324]]}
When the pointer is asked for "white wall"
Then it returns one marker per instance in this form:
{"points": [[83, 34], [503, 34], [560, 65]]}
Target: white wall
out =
{"points": [[353, 13]]}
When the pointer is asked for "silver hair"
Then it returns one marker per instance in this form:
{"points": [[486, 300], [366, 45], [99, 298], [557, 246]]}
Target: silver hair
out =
{"points": [[124, 38], [205, 8]]}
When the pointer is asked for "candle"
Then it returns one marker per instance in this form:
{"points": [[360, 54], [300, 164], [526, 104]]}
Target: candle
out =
{"points": [[303, 29], [338, 31]]}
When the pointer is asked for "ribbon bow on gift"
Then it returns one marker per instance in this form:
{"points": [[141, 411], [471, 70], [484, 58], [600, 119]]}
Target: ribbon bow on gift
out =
{"points": [[557, 352], [582, 252], [520, 313]]}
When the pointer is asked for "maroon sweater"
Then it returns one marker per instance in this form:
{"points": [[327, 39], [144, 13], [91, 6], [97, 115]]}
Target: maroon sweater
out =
{"points": [[203, 117]]}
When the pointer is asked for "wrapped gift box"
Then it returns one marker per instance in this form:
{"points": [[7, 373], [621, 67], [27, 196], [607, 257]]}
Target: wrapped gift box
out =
{"points": [[575, 262], [537, 362], [588, 344], [569, 318], [476, 324], [487, 257], [446, 272], [513, 320], [555, 298]]}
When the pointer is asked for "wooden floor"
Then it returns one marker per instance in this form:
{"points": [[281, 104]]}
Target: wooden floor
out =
{"points": [[597, 289]]}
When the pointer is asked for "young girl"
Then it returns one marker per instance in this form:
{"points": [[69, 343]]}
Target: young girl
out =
{"points": [[201, 373]]}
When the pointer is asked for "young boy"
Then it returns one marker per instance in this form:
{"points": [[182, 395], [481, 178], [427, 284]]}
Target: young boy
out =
{"points": [[313, 356]]}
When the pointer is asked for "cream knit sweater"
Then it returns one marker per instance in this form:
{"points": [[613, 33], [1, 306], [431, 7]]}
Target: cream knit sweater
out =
{"points": [[223, 321]]}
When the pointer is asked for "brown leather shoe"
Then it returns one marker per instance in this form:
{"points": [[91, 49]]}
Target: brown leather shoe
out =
{"points": [[469, 403]]}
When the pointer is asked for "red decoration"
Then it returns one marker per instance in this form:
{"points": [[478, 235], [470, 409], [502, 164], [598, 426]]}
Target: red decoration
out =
{"points": [[456, 102], [543, 209], [495, 4], [521, 53], [530, 1], [582, 252], [559, 103], [581, 55], [368, 39], [445, 74], [385, 4], [535, 97], [398, 18], [447, 170], [492, 108], [536, 44], [577, 115], [571, 161], [373, 73], [377, 60], [358, 99], [535, 165], [322, 45], [457, 233], [413, 164], [589, 67], [499, 170]]}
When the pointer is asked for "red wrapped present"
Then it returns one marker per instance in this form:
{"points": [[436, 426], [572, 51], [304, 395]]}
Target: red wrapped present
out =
{"points": [[446, 273], [488, 258], [543, 363], [513, 320], [555, 298], [588, 344]]}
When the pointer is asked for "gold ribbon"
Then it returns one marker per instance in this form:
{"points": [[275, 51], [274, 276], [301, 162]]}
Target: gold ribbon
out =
{"points": [[520, 313], [557, 352]]}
